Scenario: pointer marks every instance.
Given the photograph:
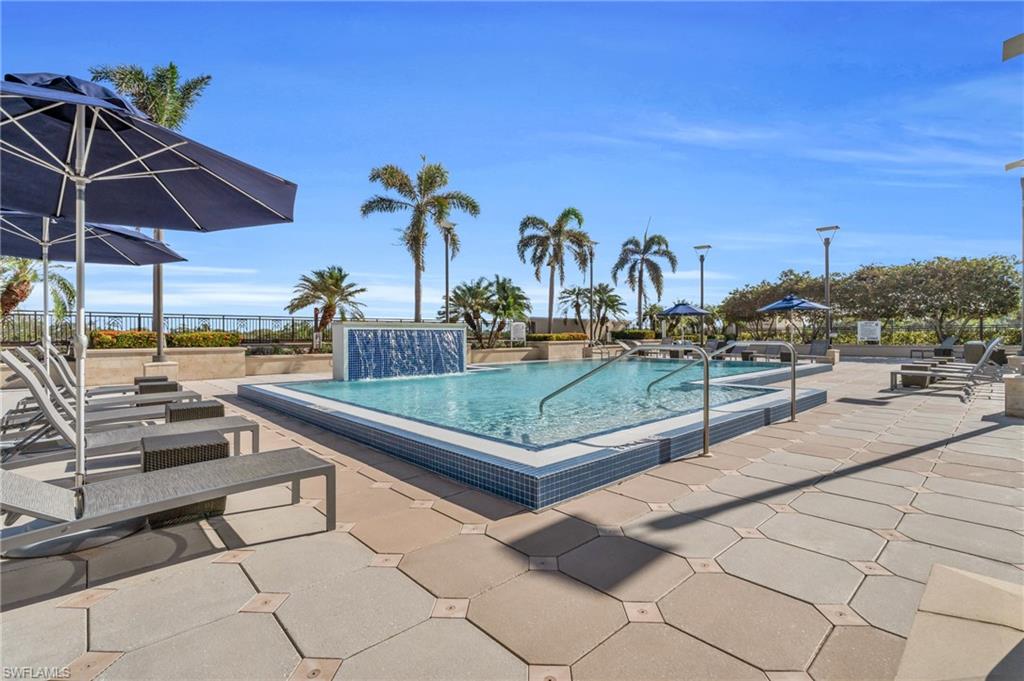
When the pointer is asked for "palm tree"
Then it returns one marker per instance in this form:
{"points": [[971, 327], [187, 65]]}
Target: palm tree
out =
{"points": [[574, 299], [608, 305], [18, 276], [470, 300], [162, 96], [547, 243], [651, 315], [510, 304], [638, 259], [426, 202], [330, 290]]}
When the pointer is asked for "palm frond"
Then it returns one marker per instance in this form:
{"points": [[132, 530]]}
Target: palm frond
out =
{"points": [[383, 204], [533, 223], [394, 178], [431, 178]]}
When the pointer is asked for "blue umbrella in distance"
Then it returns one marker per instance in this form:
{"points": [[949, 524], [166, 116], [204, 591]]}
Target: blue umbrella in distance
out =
{"points": [[790, 303]]}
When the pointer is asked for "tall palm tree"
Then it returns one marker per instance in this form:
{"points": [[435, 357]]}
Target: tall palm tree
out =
{"points": [[608, 305], [427, 202], [330, 290], [18, 276], [574, 299], [167, 100], [638, 259], [547, 244]]}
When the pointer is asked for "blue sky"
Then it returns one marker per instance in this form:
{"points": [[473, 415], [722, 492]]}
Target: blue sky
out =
{"points": [[741, 125]]}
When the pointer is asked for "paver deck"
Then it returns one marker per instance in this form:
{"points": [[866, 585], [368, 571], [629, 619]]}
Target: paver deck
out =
{"points": [[800, 550]]}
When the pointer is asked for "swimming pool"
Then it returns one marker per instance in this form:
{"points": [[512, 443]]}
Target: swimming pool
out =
{"points": [[501, 403]]}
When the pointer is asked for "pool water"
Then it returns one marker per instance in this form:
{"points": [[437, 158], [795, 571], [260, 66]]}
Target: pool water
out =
{"points": [[502, 402]]}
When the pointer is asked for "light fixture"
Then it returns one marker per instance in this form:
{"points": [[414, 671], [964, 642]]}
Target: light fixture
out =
{"points": [[827, 232], [703, 248]]}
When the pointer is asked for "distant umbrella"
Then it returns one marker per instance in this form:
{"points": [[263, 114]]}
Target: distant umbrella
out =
{"points": [[683, 310], [790, 303]]}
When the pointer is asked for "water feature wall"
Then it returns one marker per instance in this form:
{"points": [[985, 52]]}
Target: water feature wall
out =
{"points": [[364, 350]]}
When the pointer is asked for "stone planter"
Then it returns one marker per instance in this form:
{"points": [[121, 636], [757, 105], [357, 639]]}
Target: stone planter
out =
{"points": [[1014, 396], [557, 350], [502, 355], [106, 367], [262, 365]]}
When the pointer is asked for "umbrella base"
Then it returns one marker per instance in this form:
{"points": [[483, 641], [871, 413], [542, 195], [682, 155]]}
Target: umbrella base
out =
{"points": [[79, 541]]}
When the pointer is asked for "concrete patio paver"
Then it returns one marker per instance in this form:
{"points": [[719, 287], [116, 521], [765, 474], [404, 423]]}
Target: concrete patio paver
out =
{"points": [[824, 536], [405, 531], [295, 564], [977, 490], [473, 506], [866, 514], [658, 652], [971, 510], [624, 568], [650, 489], [888, 603], [979, 540], [768, 630], [914, 560], [723, 509], [753, 489], [806, 575], [858, 653], [548, 533], [604, 508], [463, 566], [42, 635], [546, 617], [681, 534]]}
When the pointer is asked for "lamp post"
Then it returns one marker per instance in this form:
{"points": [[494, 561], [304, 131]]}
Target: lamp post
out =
{"points": [[702, 251], [590, 260], [827, 234], [1014, 47]]}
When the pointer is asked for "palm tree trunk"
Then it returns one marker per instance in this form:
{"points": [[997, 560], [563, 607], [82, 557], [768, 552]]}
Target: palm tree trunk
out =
{"points": [[640, 298], [447, 294], [551, 301], [418, 294]]}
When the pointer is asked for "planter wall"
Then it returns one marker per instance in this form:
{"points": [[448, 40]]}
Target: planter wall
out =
{"points": [[262, 365], [556, 350], [502, 355], [104, 367]]}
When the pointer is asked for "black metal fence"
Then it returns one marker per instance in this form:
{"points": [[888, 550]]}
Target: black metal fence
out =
{"points": [[23, 327]]}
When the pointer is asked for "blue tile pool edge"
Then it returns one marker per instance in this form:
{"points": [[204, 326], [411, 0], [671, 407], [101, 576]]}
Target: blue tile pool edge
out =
{"points": [[534, 486]]}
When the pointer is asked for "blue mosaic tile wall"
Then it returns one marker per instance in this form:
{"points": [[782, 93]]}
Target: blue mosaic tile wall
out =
{"points": [[388, 353], [532, 486]]}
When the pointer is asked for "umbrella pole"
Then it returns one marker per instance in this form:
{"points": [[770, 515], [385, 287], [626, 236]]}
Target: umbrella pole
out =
{"points": [[80, 337], [46, 294]]}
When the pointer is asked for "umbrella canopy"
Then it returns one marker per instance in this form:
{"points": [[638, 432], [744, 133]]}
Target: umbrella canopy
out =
{"points": [[139, 173], [71, 147], [790, 303], [683, 310], [22, 236]]}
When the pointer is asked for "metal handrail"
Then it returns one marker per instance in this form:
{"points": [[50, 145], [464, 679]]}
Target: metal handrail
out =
{"points": [[628, 352], [792, 372]]}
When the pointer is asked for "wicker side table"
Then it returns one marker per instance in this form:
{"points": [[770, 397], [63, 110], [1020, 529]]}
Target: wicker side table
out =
{"points": [[189, 411], [139, 380], [150, 387], [167, 451]]}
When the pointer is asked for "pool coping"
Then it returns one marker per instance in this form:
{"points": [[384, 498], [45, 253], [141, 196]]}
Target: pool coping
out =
{"points": [[539, 478]]}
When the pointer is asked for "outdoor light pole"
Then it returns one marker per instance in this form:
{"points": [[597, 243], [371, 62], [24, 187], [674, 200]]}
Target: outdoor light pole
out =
{"points": [[827, 234], [1014, 47], [158, 304], [702, 251], [590, 259]]}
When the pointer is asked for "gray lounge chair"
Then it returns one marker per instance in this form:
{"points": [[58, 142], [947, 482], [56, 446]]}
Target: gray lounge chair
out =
{"points": [[113, 441], [984, 371], [59, 511], [67, 377]]}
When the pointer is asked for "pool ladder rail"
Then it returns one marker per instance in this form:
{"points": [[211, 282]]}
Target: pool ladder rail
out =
{"points": [[705, 359]]}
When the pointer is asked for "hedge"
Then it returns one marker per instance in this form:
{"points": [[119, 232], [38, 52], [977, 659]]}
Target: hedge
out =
{"points": [[104, 339], [633, 334], [556, 336]]}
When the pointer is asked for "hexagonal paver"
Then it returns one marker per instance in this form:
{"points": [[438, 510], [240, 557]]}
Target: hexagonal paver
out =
{"points": [[753, 489], [658, 652], [338, 618], [265, 525], [888, 476], [546, 617], [858, 512], [548, 533], [765, 628], [155, 606], [371, 503], [979, 540], [686, 473], [296, 564], [779, 473], [406, 531], [148, 550], [977, 490], [604, 508], [861, 653], [914, 561], [463, 566], [971, 510], [721, 460], [651, 489], [476, 507], [42, 635], [866, 490], [824, 536], [26, 581], [804, 461], [242, 646], [624, 568], [888, 603], [806, 575], [428, 487], [436, 649], [723, 509], [683, 535]]}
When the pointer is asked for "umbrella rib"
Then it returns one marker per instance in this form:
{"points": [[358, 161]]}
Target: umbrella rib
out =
{"points": [[27, 156], [116, 249], [31, 137], [18, 231], [213, 174], [67, 162], [134, 176], [92, 133], [156, 179], [13, 119], [139, 159]]}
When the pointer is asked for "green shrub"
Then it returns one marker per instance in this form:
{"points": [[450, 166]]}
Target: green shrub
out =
{"points": [[633, 334], [103, 339], [204, 339], [556, 336]]}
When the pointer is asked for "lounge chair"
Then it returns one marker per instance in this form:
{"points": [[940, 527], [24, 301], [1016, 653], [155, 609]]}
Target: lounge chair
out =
{"points": [[984, 371], [943, 349], [59, 511], [108, 441], [68, 377]]}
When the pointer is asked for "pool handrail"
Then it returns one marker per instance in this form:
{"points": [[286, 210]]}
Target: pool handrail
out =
{"points": [[627, 351], [792, 369]]}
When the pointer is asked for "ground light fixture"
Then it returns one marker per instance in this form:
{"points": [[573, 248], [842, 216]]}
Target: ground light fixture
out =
{"points": [[701, 251], [827, 235]]}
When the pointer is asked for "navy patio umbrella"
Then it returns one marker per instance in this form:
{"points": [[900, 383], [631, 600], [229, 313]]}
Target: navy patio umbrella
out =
{"points": [[788, 304], [70, 147], [683, 310], [23, 235]]}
